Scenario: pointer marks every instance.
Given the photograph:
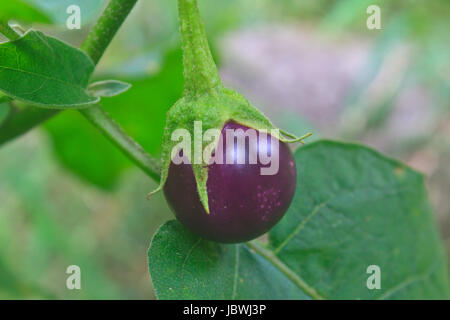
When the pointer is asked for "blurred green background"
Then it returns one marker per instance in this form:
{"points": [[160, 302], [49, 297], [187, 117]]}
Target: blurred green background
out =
{"points": [[67, 196]]}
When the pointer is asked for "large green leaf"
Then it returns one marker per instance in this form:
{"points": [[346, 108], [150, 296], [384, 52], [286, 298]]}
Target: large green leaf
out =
{"points": [[353, 208], [183, 266], [141, 111], [45, 71]]}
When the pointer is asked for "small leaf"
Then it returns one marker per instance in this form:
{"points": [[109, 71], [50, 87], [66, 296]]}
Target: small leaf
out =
{"points": [[45, 71], [353, 208], [108, 88]]}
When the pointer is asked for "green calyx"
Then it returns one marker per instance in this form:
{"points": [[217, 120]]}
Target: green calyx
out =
{"points": [[205, 107]]}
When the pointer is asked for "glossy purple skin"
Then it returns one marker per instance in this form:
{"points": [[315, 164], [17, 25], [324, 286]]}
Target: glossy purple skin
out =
{"points": [[243, 203]]}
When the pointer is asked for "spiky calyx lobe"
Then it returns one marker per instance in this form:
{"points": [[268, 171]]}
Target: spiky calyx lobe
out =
{"points": [[205, 100]]}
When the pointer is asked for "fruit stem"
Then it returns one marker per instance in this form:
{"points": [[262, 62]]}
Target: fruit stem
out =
{"points": [[106, 28], [130, 148], [200, 70]]}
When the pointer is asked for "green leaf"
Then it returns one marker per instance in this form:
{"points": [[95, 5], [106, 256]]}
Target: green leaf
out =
{"points": [[183, 266], [108, 88], [45, 71], [141, 111], [22, 11], [353, 208]]}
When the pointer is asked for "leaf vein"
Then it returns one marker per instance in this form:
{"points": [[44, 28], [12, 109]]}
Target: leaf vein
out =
{"points": [[44, 77], [300, 226], [283, 268], [188, 254], [409, 281]]}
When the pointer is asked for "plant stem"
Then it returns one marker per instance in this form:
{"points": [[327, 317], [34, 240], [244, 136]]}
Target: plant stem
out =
{"points": [[277, 263], [200, 71], [95, 45], [106, 27], [110, 129]]}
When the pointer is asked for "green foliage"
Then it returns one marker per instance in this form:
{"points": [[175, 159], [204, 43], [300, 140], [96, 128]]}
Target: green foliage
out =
{"points": [[4, 112], [183, 266], [141, 111], [49, 220], [45, 71], [353, 208], [22, 11]]}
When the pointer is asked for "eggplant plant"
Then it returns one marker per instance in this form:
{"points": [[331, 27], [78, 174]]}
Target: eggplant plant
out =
{"points": [[312, 229]]}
